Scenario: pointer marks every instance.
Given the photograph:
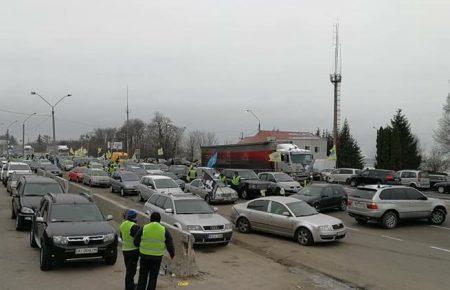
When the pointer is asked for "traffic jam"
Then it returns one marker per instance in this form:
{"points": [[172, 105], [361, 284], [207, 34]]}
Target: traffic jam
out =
{"points": [[272, 190]]}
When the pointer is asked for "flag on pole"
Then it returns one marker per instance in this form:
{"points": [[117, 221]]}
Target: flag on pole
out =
{"points": [[212, 161], [332, 153], [160, 152], [210, 183]]}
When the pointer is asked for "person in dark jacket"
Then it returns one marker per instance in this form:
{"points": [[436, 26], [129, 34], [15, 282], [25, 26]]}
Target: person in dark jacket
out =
{"points": [[153, 240]]}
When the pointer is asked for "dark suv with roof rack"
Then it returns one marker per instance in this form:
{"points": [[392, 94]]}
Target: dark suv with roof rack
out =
{"points": [[251, 186], [372, 176], [70, 227]]}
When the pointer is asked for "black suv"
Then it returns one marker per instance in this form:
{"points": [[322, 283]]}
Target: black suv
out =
{"points": [[27, 196], [70, 227], [250, 186], [372, 176], [324, 196]]}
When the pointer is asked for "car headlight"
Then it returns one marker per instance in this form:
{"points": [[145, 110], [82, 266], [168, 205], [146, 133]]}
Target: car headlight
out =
{"points": [[194, 228], [228, 226], [60, 240], [326, 228], [109, 237], [26, 210]]}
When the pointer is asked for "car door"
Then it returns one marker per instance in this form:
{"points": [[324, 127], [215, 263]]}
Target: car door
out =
{"points": [[280, 222], [338, 195], [399, 201], [143, 188], [419, 203], [272, 183], [258, 215], [194, 187], [405, 177]]}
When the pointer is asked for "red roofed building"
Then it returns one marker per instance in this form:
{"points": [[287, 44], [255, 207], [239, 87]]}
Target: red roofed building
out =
{"points": [[304, 140]]}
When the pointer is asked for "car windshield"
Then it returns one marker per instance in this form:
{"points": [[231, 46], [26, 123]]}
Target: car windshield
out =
{"points": [[311, 190], [248, 174], [364, 193], [303, 159], [283, 177], [75, 213], [41, 188], [165, 183], [192, 206], [130, 177], [50, 167], [151, 167], [210, 171], [19, 167], [300, 209], [98, 173]]}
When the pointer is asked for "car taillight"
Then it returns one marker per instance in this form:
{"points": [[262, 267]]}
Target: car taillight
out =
{"points": [[389, 178], [372, 206], [349, 203]]}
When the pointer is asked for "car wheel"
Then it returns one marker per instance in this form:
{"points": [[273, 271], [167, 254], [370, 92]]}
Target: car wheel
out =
{"points": [[44, 258], [316, 206], [111, 260], [19, 223], [441, 189], [343, 205], [32, 238], [122, 192], [13, 213], [208, 198], [244, 194], [389, 220], [361, 221], [353, 183], [437, 216], [243, 225], [304, 237]]}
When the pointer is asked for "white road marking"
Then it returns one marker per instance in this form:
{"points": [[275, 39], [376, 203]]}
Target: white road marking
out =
{"points": [[445, 228], [352, 229], [440, 249], [392, 238]]}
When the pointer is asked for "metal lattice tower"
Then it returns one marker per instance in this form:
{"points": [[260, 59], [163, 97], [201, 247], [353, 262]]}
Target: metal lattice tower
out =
{"points": [[336, 79]]}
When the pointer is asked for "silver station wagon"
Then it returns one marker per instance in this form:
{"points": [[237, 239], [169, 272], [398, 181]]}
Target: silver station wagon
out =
{"points": [[288, 217]]}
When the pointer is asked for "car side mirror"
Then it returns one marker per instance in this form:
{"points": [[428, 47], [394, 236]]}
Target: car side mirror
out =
{"points": [[109, 217], [286, 214], [39, 219], [168, 210], [215, 209]]}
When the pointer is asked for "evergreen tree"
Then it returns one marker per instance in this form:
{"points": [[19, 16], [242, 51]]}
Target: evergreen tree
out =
{"points": [[397, 147], [348, 151]]}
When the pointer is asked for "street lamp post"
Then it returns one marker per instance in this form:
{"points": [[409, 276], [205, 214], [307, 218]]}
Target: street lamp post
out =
{"points": [[7, 137], [256, 117], [23, 133], [53, 113]]}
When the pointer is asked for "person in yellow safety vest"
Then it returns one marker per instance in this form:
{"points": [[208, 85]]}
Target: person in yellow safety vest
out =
{"points": [[128, 230], [236, 180], [223, 178], [153, 240], [192, 174]]}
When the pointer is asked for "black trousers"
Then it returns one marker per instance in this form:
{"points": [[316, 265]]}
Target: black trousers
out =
{"points": [[131, 260], [148, 272]]}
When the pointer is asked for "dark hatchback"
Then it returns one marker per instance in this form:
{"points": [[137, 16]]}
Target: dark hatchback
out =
{"points": [[372, 176], [70, 227], [251, 186], [27, 196], [324, 196]]}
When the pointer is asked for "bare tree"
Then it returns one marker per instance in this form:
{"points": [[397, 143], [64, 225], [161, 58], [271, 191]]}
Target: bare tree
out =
{"points": [[195, 140], [442, 134], [436, 161]]}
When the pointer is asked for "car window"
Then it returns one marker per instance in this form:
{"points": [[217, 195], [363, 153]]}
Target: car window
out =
{"points": [[160, 202], [196, 183], [365, 173], [327, 191], [153, 198], [168, 204], [346, 171], [270, 178], [277, 208], [397, 194], [41, 188], [413, 194], [263, 176], [405, 174], [338, 191], [259, 205], [364, 193], [388, 194]]}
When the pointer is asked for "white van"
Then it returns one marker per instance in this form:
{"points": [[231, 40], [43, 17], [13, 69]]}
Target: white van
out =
{"points": [[342, 175], [413, 178]]}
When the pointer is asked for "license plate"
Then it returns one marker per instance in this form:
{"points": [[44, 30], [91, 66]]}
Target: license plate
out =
{"points": [[217, 236], [28, 218], [358, 204], [86, 251]]}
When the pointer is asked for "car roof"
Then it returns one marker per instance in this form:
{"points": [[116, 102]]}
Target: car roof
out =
{"points": [[281, 199], [17, 163], [70, 198], [38, 179], [181, 196], [382, 186], [157, 177]]}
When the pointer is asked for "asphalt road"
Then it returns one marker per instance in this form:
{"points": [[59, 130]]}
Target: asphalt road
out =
{"points": [[415, 255]]}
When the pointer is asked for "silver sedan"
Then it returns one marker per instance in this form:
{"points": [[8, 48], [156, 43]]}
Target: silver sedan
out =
{"points": [[288, 217]]}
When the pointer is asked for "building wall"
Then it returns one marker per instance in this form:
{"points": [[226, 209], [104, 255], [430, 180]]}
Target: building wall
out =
{"points": [[317, 146]]}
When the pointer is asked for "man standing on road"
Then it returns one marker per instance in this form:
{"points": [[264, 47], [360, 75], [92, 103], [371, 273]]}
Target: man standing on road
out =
{"points": [[236, 181], [153, 240], [128, 230]]}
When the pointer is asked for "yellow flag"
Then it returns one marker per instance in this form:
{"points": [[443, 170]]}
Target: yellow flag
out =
{"points": [[160, 152], [275, 157]]}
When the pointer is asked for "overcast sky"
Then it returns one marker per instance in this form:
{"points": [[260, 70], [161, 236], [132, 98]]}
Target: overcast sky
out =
{"points": [[202, 62]]}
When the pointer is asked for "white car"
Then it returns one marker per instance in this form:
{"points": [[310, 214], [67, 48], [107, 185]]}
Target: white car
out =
{"points": [[413, 178], [342, 175], [18, 167], [151, 184]]}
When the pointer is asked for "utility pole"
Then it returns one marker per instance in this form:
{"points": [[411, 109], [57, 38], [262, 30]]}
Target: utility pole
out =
{"points": [[256, 117], [23, 133], [336, 79], [127, 133]]}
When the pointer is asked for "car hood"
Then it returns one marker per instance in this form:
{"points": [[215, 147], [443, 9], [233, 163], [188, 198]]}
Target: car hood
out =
{"points": [[319, 220], [202, 219], [79, 228], [307, 198], [31, 201], [100, 178], [170, 190], [225, 189], [289, 184], [130, 183]]}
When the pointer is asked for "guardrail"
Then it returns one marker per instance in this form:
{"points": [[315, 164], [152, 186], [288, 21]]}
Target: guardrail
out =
{"points": [[182, 265]]}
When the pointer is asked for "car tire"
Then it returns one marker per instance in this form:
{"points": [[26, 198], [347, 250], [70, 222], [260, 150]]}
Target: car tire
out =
{"points": [[243, 225], [361, 221], [437, 216], [353, 183], [304, 237], [316, 206], [19, 223], [111, 259], [33, 243], [208, 199], [343, 205], [122, 192], [244, 194], [44, 258], [441, 189], [389, 220]]}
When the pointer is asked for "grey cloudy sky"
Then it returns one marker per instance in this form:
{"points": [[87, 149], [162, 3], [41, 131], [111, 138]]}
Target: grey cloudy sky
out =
{"points": [[202, 62]]}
